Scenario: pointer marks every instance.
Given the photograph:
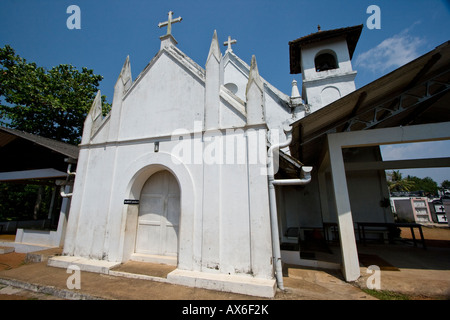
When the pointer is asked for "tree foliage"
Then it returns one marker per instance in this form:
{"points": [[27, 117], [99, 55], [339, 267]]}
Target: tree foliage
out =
{"points": [[427, 185], [397, 183], [445, 184], [17, 202], [51, 103]]}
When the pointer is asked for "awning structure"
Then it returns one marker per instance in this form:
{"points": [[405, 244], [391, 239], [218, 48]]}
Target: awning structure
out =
{"points": [[38, 174], [417, 93], [410, 104], [30, 159], [26, 157]]}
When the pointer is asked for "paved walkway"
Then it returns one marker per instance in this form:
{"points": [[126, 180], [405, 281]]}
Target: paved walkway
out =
{"points": [[414, 271], [301, 284]]}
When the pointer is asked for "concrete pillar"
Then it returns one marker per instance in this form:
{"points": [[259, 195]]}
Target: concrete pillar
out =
{"points": [[63, 216], [349, 250]]}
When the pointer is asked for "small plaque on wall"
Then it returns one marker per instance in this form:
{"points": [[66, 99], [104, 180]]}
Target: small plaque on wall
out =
{"points": [[130, 201]]}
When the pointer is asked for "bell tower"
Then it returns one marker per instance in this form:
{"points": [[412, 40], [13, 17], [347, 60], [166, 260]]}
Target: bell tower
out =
{"points": [[324, 60]]}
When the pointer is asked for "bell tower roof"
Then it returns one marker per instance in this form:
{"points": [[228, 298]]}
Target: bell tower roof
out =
{"points": [[351, 35]]}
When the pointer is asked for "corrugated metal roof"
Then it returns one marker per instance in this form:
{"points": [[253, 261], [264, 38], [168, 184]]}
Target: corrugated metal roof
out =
{"points": [[7, 135], [416, 93]]}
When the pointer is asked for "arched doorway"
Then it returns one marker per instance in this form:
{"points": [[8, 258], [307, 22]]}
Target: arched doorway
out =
{"points": [[159, 216]]}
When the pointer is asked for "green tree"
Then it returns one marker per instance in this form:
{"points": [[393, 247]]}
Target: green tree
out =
{"points": [[51, 103], [445, 184], [18, 201], [397, 183], [427, 185]]}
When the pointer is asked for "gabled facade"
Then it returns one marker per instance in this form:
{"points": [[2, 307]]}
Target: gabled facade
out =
{"points": [[177, 172]]}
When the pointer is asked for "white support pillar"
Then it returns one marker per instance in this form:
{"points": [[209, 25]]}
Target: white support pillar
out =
{"points": [[366, 138], [349, 250], [64, 216]]}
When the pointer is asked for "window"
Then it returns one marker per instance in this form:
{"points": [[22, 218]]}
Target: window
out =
{"points": [[325, 61], [232, 87]]}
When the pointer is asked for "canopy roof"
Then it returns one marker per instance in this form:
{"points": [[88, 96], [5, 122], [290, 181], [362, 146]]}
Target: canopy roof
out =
{"points": [[27, 156], [416, 93]]}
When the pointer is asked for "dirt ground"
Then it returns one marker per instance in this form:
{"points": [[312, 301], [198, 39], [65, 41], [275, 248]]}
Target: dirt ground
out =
{"points": [[434, 236], [11, 260], [14, 260]]}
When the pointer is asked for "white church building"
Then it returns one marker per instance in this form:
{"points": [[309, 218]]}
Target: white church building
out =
{"points": [[186, 170]]}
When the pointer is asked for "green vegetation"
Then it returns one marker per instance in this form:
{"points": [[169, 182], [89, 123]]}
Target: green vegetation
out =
{"points": [[387, 295], [428, 186], [50, 103], [19, 202]]}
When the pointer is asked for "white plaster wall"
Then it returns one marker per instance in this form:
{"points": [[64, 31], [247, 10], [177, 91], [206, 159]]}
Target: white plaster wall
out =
{"points": [[38, 237], [259, 214], [315, 89], [366, 189], [277, 115], [224, 228], [321, 88], [230, 117], [234, 220], [309, 53], [301, 207], [236, 75], [94, 204], [276, 111], [102, 133], [225, 220], [330, 94], [236, 229], [165, 98]]}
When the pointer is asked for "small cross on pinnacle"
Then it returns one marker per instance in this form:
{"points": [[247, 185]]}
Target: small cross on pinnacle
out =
{"points": [[229, 43], [169, 22]]}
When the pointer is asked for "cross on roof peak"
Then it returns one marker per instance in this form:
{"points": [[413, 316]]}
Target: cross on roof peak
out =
{"points": [[169, 22], [229, 42]]}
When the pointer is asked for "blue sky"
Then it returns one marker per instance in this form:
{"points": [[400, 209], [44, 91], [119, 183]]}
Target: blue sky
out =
{"points": [[111, 30]]}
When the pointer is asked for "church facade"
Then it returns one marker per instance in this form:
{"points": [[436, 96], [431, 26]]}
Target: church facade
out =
{"points": [[185, 169], [177, 172]]}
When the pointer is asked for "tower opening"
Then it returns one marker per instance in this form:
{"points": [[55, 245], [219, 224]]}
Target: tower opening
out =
{"points": [[325, 61]]}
